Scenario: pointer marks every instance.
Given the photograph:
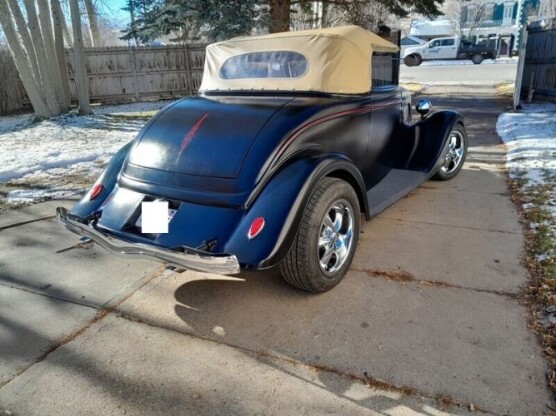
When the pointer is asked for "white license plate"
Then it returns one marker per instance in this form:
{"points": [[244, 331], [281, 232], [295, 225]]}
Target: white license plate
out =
{"points": [[171, 213]]}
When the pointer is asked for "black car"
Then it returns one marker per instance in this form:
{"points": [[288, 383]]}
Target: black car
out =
{"points": [[292, 140]]}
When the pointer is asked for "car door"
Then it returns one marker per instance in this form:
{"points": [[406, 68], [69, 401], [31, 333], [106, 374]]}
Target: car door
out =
{"points": [[432, 49], [447, 49], [441, 49], [385, 115]]}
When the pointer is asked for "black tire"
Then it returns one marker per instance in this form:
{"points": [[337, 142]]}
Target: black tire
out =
{"points": [[449, 169], [418, 60], [477, 58], [412, 60], [409, 60], [301, 267]]}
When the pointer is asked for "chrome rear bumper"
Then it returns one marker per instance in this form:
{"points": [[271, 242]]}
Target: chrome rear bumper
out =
{"points": [[190, 259]]}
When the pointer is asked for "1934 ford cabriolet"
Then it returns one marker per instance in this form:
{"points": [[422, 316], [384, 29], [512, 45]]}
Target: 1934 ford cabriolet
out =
{"points": [[291, 138]]}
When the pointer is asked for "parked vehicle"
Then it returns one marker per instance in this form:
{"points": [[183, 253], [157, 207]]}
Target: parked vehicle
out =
{"points": [[445, 49], [410, 42], [292, 138]]}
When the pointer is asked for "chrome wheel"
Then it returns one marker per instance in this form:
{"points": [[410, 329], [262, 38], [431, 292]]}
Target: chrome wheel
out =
{"points": [[455, 153], [335, 237]]}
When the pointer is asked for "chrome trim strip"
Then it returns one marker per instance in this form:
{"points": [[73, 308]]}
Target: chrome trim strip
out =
{"points": [[191, 259]]}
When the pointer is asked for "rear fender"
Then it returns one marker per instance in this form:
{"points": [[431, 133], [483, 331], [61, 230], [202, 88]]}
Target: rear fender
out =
{"points": [[109, 177], [281, 203]]}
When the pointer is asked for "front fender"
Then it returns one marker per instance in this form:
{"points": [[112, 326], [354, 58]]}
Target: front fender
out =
{"points": [[281, 203], [109, 177], [431, 134]]}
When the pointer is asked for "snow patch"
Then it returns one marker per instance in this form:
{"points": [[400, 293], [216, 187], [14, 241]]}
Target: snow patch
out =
{"points": [[530, 137], [38, 159]]}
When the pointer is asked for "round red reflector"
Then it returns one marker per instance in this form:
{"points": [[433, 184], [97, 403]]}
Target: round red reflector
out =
{"points": [[95, 191], [256, 227]]}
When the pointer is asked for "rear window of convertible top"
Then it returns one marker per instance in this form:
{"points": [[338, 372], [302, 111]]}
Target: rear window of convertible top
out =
{"points": [[271, 64]]}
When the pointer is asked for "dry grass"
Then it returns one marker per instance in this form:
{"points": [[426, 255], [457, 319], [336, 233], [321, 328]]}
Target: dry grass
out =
{"points": [[413, 87], [540, 260], [504, 89], [396, 275]]}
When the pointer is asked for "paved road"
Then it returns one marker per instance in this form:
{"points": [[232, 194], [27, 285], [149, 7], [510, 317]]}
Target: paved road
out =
{"points": [[428, 308], [485, 74]]}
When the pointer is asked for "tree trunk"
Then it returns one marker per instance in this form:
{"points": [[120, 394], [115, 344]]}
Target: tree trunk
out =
{"points": [[81, 80], [279, 16], [26, 38], [53, 68], [22, 63], [93, 23], [38, 43], [67, 34], [58, 18]]}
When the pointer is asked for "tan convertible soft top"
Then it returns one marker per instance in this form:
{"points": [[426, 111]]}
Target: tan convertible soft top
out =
{"points": [[333, 60]]}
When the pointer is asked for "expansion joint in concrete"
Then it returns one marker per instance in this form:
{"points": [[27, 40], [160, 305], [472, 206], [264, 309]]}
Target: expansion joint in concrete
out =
{"points": [[453, 226], [17, 224]]}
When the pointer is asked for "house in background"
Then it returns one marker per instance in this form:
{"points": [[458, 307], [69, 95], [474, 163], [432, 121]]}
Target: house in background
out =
{"points": [[496, 23]]}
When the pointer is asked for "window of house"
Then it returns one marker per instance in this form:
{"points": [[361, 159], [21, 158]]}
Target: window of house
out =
{"points": [[471, 13], [487, 12], [508, 10]]}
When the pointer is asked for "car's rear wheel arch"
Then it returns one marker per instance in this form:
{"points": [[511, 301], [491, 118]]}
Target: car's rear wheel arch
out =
{"points": [[354, 183], [321, 252]]}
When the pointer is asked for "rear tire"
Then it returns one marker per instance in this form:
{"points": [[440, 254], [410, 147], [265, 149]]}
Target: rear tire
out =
{"points": [[325, 243], [453, 155], [477, 59]]}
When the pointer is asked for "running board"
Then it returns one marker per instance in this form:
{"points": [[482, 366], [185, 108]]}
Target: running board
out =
{"points": [[396, 184]]}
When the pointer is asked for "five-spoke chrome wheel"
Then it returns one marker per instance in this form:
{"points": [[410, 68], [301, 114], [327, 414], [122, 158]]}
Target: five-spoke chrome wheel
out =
{"points": [[455, 153], [453, 156], [335, 237]]}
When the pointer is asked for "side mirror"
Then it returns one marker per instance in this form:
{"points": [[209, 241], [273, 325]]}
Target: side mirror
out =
{"points": [[423, 107]]}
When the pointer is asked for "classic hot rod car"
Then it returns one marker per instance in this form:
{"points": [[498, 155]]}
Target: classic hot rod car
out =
{"points": [[292, 138]]}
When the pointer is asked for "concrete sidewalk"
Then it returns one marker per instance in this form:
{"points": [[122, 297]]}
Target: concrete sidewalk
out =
{"points": [[426, 322]]}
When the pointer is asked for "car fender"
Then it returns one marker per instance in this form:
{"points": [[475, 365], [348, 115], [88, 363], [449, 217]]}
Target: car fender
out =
{"points": [[281, 203], [432, 133], [108, 179]]}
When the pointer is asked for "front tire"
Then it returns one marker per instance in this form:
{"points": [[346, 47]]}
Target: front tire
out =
{"points": [[325, 243], [413, 60], [454, 154]]}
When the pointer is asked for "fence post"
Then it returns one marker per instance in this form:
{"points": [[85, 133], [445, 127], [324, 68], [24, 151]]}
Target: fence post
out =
{"points": [[188, 69], [134, 70], [520, 66]]}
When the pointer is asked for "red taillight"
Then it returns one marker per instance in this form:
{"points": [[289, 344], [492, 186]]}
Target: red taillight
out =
{"points": [[256, 227], [95, 191]]}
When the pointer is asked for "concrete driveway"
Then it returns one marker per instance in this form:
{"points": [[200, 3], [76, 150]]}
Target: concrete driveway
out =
{"points": [[426, 322]]}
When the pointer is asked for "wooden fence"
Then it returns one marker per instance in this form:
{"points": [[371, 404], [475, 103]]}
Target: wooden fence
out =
{"points": [[539, 71], [118, 75]]}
